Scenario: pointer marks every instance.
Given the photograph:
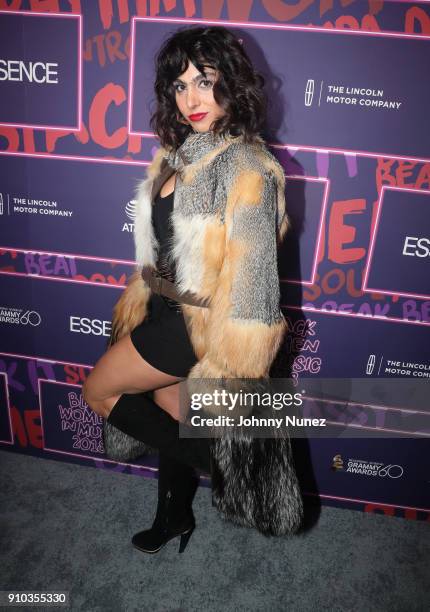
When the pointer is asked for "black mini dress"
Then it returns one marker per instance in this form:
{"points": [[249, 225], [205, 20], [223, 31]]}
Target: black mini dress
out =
{"points": [[162, 338]]}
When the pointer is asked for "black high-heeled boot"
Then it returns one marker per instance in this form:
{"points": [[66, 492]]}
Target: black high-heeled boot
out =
{"points": [[140, 417], [143, 419], [118, 445], [177, 485]]}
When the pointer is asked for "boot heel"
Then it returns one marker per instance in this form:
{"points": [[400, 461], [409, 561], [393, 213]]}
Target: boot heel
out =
{"points": [[185, 537]]}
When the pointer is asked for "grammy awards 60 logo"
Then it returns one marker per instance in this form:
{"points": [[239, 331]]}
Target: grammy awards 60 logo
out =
{"points": [[19, 316], [365, 467]]}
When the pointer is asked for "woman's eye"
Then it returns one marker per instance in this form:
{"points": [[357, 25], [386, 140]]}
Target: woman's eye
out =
{"points": [[205, 83]]}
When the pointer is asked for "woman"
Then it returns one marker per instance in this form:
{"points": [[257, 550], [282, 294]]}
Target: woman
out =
{"points": [[210, 216]]}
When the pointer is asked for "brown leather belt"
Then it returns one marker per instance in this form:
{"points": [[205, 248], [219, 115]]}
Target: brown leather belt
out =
{"points": [[162, 286]]}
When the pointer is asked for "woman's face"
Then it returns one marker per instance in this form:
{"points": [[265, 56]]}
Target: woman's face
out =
{"points": [[194, 97]]}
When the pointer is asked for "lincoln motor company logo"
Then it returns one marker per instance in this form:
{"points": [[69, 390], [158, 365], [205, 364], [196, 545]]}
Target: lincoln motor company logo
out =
{"points": [[350, 95], [309, 92]]}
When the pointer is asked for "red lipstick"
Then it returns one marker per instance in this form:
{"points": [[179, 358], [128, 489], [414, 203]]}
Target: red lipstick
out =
{"points": [[197, 116]]}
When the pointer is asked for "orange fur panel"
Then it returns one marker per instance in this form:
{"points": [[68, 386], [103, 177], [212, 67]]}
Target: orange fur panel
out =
{"points": [[246, 349], [213, 255], [131, 308], [248, 188], [202, 320]]}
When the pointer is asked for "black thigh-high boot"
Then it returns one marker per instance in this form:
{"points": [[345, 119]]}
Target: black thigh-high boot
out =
{"points": [[139, 416]]}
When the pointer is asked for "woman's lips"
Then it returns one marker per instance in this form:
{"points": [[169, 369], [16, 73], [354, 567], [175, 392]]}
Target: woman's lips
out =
{"points": [[197, 116]]}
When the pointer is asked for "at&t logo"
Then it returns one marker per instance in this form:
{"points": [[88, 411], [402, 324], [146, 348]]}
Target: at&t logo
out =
{"points": [[130, 211]]}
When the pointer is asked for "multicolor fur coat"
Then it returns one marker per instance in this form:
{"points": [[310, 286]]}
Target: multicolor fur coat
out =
{"points": [[228, 220]]}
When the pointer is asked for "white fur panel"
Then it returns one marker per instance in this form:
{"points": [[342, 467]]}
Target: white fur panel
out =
{"points": [[189, 235], [144, 239]]}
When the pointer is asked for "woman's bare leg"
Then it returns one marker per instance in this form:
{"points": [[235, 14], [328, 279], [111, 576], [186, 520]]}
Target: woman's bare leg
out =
{"points": [[168, 399], [122, 370]]}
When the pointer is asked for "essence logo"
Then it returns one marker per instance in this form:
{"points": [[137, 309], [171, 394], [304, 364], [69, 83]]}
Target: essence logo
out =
{"points": [[84, 325], [416, 247], [30, 72]]}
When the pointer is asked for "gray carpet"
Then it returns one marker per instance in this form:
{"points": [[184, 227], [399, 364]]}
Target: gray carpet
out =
{"points": [[68, 527]]}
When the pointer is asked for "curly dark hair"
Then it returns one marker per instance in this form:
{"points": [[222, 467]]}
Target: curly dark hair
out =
{"points": [[238, 89]]}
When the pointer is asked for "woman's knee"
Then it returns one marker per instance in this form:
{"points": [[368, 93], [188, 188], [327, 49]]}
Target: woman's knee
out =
{"points": [[102, 407], [97, 404], [87, 391]]}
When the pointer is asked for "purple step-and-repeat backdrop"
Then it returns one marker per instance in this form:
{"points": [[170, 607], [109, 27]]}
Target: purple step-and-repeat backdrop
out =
{"points": [[348, 120]]}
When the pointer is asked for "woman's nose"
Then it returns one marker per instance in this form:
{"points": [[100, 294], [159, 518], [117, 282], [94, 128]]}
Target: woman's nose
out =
{"points": [[193, 98]]}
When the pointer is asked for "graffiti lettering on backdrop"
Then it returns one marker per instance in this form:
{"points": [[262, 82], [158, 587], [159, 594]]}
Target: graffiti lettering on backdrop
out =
{"points": [[55, 266], [69, 425], [107, 46], [348, 236], [383, 349], [20, 415]]}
